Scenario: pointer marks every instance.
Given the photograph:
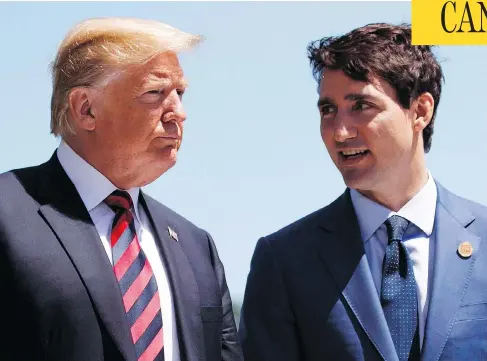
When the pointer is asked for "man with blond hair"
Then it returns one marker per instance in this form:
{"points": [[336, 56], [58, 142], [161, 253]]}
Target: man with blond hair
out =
{"points": [[91, 267]]}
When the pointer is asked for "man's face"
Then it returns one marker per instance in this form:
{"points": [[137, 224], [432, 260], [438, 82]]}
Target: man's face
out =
{"points": [[139, 118], [368, 134]]}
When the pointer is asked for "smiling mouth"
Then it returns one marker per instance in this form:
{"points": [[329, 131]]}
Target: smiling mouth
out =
{"points": [[353, 154]]}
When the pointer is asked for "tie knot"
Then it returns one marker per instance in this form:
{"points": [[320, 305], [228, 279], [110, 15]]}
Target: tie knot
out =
{"points": [[119, 200], [396, 226]]}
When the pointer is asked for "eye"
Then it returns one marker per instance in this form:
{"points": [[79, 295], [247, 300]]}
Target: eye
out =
{"points": [[152, 96], [361, 106], [327, 110], [180, 93], [155, 91]]}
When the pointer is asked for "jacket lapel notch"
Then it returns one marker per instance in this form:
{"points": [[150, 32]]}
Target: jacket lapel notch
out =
{"points": [[71, 223], [451, 273], [344, 255], [184, 289]]}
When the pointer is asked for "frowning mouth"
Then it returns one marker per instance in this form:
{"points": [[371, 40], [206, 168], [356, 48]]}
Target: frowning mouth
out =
{"points": [[173, 137], [167, 142]]}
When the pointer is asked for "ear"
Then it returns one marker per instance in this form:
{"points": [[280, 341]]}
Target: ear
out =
{"points": [[423, 111], [80, 101]]}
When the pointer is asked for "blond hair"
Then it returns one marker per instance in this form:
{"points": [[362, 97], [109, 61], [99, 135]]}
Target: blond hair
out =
{"points": [[95, 49]]}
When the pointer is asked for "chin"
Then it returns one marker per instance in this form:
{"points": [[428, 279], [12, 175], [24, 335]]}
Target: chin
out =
{"points": [[155, 167], [358, 180], [164, 157], [162, 166], [153, 173]]}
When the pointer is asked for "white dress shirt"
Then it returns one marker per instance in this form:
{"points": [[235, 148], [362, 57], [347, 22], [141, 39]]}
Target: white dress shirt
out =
{"points": [[93, 187], [420, 211]]}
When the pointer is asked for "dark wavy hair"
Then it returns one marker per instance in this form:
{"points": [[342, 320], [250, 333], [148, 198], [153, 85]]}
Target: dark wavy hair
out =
{"points": [[385, 51]]}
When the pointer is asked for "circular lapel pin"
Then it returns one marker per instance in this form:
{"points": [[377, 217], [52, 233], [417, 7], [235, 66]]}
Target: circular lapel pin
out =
{"points": [[465, 249]]}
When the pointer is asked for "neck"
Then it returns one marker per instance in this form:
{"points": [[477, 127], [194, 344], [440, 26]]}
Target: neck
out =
{"points": [[400, 189], [104, 165]]}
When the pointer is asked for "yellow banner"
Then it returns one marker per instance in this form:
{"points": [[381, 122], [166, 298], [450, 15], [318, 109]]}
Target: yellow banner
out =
{"points": [[440, 22]]}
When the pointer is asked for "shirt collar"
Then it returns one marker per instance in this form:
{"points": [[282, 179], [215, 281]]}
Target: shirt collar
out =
{"points": [[420, 210], [92, 186]]}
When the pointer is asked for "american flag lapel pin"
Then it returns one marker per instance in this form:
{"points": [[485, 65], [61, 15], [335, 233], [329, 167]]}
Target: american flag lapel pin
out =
{"points": [[172, 233]]}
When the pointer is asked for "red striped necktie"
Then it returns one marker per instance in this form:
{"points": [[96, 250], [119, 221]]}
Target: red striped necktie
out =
{"points": [[136, 280]]}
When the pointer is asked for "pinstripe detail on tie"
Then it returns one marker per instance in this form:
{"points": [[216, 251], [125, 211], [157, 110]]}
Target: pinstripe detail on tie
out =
{"points": [[136, 280]]}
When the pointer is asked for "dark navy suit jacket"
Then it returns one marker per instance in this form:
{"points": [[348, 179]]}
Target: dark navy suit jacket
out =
{"points": [[59, 298], [310, 295]]}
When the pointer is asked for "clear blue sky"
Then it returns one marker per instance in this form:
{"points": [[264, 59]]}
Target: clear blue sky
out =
{"points": [[252, 159]]}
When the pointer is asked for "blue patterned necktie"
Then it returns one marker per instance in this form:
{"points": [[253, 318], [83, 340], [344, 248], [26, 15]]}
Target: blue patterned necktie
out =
{"points": [[398, 292]]}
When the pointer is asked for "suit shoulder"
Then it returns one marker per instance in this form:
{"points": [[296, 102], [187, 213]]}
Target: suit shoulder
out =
{"points": [[476, 208], [6, 179], [20, 180], [456, 203], [19, 189], [473, 207], [295, 231]]}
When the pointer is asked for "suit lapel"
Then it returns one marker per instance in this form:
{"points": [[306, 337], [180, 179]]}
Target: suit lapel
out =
{"points": [[344, 255], [67, 216], [451, 273], [182, 281]]}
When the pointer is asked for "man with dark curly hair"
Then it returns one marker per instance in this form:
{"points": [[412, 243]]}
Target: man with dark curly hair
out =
{"points": [[394, 268]]}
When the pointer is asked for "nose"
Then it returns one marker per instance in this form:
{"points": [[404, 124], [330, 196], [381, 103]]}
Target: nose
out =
{"points": [[343, 133], [174, 108], [344, 129]]}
